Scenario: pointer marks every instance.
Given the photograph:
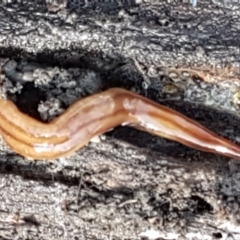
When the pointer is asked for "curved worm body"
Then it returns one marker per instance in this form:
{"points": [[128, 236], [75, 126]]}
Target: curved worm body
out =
{"points": [[96, 114]]}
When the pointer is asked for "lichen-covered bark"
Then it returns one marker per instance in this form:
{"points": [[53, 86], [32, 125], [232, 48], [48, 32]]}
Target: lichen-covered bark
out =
{"points": [[129, 184]]}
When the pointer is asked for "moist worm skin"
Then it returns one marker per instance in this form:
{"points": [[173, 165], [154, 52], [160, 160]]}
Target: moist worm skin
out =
{"points": [[98, 113]]}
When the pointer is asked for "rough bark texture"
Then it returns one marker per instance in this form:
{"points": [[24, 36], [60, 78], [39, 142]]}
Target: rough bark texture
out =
{"points": [[129, 185]]}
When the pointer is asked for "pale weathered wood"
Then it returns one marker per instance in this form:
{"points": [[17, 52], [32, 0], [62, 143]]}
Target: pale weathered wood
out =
{"points": [[131, 181]]}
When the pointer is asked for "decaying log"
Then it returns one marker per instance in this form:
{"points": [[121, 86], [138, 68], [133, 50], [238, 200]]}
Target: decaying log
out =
{"points": [[129, 184]]}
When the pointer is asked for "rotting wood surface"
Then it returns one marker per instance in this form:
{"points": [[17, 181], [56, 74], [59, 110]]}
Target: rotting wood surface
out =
{"points": [[129, 184]]}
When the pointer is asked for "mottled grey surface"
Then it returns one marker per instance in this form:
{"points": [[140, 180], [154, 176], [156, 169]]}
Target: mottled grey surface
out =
{"points": [[153, 33], [130, 184]]}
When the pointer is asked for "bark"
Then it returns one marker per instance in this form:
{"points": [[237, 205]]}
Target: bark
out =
{"points": [[130, 184]]}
